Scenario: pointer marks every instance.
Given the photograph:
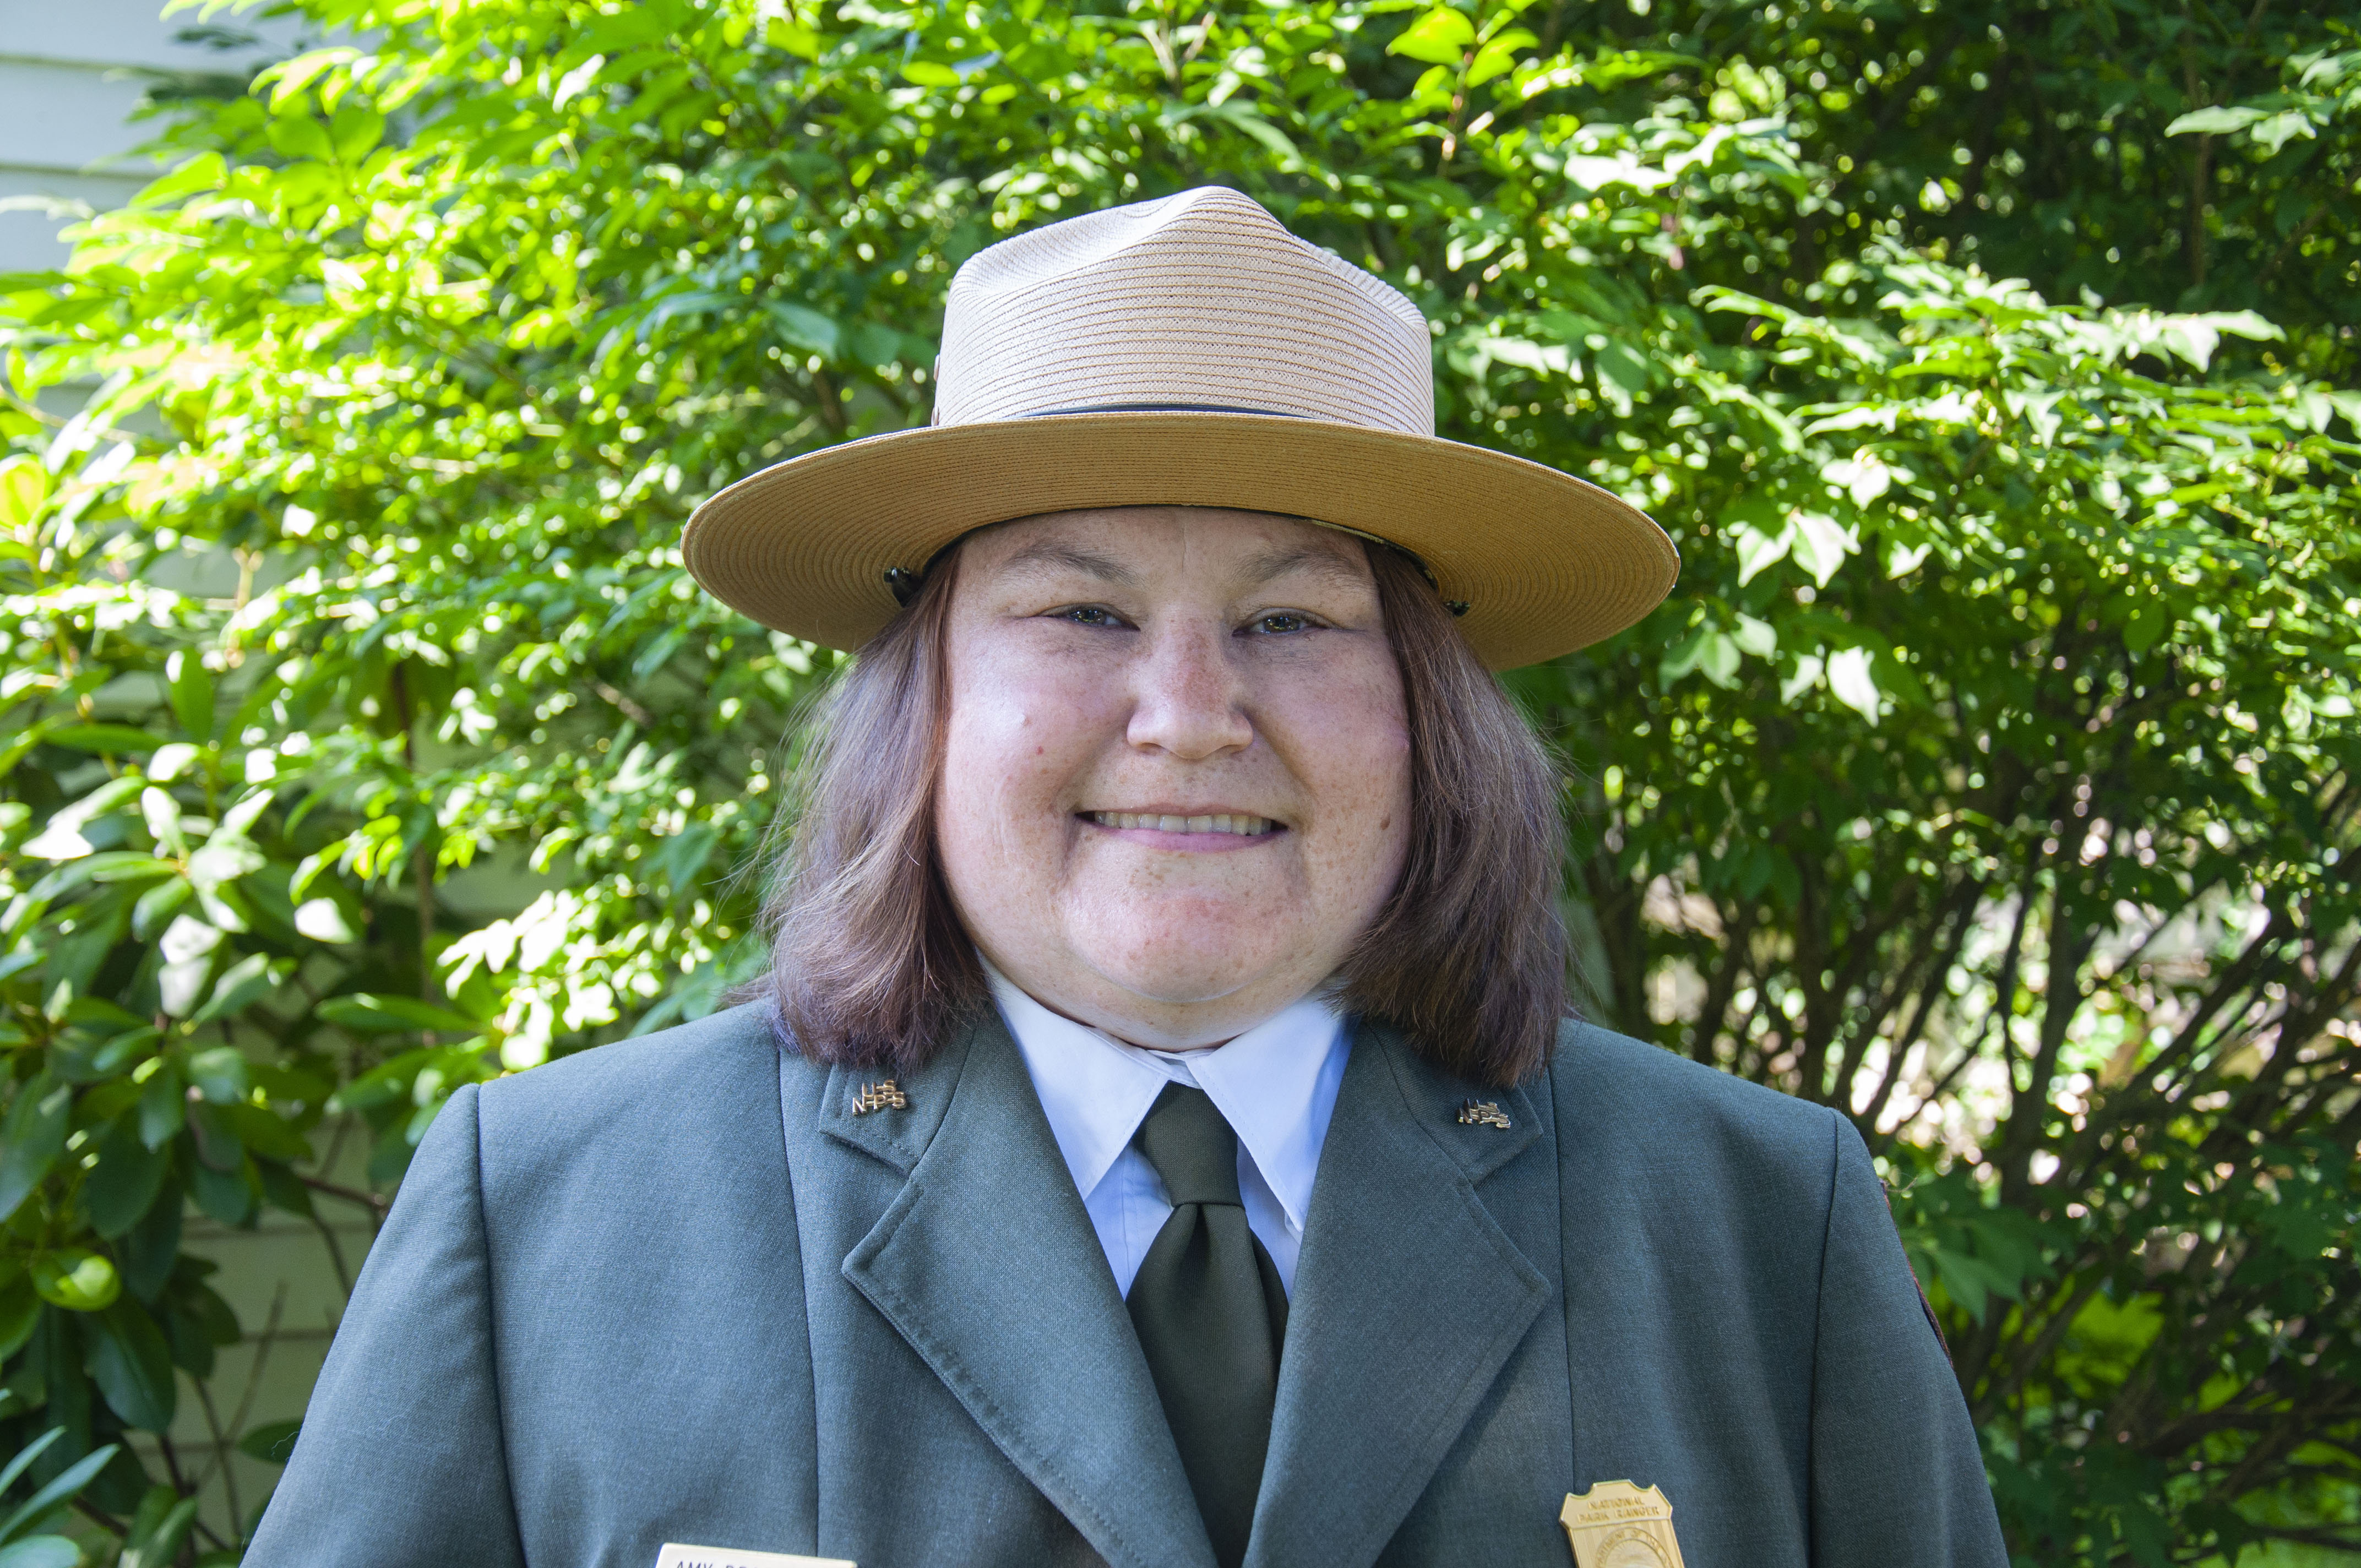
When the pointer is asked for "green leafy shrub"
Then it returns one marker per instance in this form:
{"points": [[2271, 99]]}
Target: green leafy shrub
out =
{"points": [[1990, 776]]}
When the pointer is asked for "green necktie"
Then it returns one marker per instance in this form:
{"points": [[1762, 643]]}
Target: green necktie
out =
{"points": [[1210, 1313]]}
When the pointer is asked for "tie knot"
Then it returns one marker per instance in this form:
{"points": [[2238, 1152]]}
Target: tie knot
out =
{"points": [[1192, 1147]]}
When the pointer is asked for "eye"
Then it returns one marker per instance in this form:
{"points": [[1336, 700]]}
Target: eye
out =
{"points": [[1280, 623], [1087, 615]]}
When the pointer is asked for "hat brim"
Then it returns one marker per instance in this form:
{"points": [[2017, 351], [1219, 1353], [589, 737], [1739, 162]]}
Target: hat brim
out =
{"points": [[1546, 563]]}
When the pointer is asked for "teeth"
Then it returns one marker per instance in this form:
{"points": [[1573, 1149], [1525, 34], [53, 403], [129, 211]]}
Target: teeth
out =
{"points": [[1223, 822]]}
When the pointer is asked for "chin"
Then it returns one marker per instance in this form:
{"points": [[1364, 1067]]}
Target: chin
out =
{"points": [[1180, 968]]}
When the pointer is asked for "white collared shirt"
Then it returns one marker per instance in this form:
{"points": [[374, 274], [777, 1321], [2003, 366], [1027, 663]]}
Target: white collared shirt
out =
{"points": [[1276, 1085]]}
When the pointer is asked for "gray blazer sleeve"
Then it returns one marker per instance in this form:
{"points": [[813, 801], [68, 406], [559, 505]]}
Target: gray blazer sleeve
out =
{"points": [[401, 1463], [1898, 1478]]}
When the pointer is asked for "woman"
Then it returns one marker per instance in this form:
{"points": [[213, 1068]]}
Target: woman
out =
{"points": [[1160, 1143]]}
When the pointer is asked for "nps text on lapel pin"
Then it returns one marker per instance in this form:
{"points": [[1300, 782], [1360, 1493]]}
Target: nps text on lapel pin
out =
{"points": [[884, 1096], [1618, 1525], [675, 1555]]}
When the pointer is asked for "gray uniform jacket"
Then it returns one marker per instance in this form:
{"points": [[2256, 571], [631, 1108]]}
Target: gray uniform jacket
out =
{"points": [[674, 1289]]}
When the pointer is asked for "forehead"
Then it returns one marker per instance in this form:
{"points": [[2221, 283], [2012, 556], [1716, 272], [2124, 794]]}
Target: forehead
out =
{"points": [[1166, 544]]}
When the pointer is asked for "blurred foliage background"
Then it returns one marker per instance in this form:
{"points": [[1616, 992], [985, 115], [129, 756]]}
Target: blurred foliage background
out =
{"points": [[1990, 776]]}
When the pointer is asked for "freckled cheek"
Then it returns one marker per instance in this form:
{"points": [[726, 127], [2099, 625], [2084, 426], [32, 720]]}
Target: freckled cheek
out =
{"points": [[1363, 810], [1351, 742], [1028, 749]]}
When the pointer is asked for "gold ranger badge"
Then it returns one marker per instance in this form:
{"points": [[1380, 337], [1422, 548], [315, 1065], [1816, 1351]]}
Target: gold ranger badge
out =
{"points": [[675, 1555], [1618, 1525]]}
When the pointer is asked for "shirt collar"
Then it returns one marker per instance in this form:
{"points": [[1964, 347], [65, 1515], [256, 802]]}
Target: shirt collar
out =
{"points": [[1276, 1085]]}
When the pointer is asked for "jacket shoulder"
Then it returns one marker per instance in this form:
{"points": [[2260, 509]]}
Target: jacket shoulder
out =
{"points": [[1613, 1091], [698, 1087]]}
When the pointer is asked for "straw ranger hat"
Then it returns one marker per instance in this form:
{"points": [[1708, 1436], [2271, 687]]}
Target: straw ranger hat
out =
{"points": [[1183, 352]]}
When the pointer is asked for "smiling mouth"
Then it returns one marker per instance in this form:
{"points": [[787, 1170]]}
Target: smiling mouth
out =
{"points": [[1243, 826]]}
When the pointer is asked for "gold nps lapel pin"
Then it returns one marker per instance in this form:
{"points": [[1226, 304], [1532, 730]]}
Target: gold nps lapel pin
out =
{"points": [[1618, 1525], [1483, 1113], [881, 1096]]}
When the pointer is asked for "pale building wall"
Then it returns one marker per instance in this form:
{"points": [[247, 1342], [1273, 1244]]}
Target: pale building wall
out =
{"points": [[71, 75]]}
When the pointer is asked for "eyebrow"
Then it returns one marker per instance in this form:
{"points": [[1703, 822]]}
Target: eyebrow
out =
{"points": [[1320, 561], [1265, 566], [1048, 552]]}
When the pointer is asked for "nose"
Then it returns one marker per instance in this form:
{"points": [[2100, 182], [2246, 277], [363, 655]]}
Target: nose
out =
{"points": [[1189, 700]]}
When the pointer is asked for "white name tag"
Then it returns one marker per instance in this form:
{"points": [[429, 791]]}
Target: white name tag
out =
{"points": [[675, 1555]]}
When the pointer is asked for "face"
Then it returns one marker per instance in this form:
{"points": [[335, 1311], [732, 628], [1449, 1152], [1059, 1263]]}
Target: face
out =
{"points": [[1176, 786]]}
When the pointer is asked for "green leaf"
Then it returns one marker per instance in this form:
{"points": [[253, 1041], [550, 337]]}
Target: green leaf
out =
{"points": [[244, 984], [105, 739], [20, 1309], [392, 1015], [192, 694], [76, 1278], [1497, 56], [1821, 543], [792, 36], [802, 327], [299, 136], [223, 1195], [326, 920], [1850, 681], [2218, 120], [1758, 550], [929, 73], [271, 1441], [685, 854], [24, 487], [160, 1530], [132, 1366], [1439, 36], [198, 175], [214, 1137], [382, 1084], [224, 860], [170, 761], [62, 1488], [1708, 652], [157, 906], [354, 131], [124, 867], [1622, 366], [1756, 637], [265, 1134], [219, 1073], [126, 1180], [144, 1256], [35, 1136], [41, 1551], [162, 1107], [26, 1455]]}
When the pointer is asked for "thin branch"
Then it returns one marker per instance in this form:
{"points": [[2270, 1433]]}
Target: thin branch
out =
{"points": [[1737, 932], [335, 1256], [369, 1200], [222, 1453]]}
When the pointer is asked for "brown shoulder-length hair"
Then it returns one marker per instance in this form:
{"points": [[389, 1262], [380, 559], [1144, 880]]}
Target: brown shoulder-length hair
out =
{"points": [[871, 968]]}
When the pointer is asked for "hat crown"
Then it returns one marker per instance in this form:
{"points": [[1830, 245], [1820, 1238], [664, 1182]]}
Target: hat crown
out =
{"points": [[1201, 299]]}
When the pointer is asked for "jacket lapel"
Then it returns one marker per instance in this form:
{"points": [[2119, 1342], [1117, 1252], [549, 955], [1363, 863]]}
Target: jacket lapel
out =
{"points": [[988, 1267], [1409, 1298]]}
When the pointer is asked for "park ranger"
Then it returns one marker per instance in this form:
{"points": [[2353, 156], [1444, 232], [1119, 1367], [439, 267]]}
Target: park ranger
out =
{"points": [[1159, 1138]]}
